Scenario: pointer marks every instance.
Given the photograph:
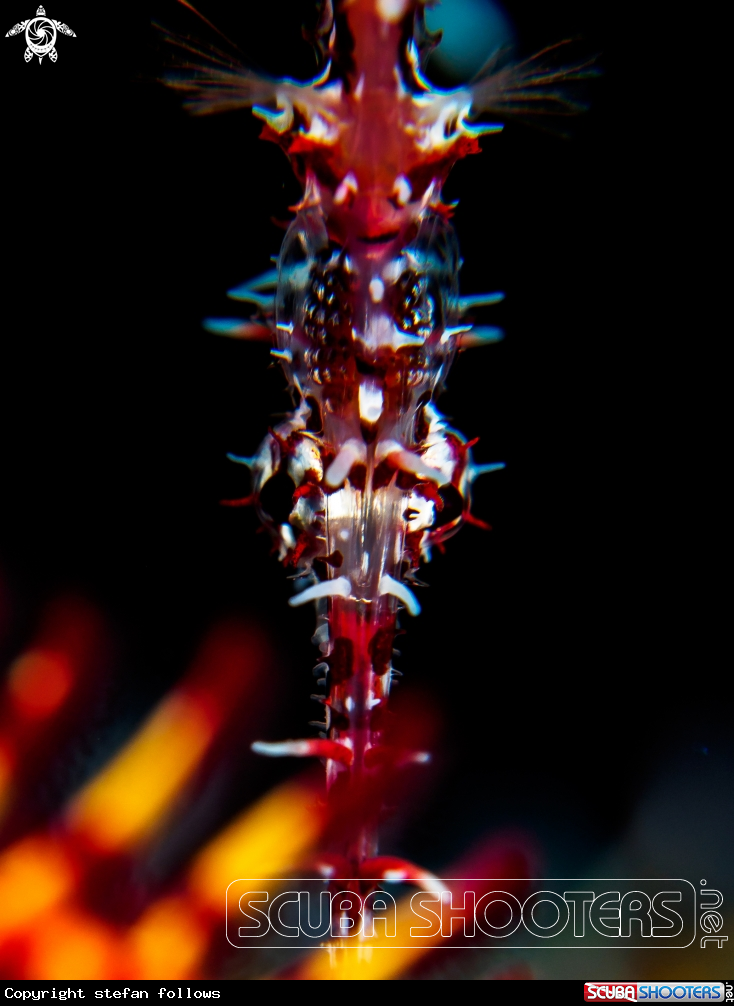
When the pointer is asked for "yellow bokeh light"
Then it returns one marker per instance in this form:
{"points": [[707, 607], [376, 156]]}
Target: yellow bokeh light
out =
{"points": [[268, 838], [125, 801]]}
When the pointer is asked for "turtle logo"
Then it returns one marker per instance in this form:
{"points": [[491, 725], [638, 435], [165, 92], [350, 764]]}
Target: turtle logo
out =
{"points": [[40, 34]]}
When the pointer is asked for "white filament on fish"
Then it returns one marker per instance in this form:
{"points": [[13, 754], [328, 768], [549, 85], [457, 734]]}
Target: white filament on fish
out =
{"points": [[409, 461], [389, 585], [340, 587], [340, 467]]}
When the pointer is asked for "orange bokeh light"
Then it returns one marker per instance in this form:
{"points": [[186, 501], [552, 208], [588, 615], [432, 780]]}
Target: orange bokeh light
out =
{"points": [[168, 941], [35, 874], [69, 944], [38, 682]]}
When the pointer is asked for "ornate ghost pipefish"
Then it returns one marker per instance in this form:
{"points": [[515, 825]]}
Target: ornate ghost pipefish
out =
{"points": [[365, 317]]}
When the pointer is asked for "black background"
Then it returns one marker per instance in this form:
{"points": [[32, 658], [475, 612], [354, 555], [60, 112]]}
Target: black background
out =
{"points": [[572, 650]]}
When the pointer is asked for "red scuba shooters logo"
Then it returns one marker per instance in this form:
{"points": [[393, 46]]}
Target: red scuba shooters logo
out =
{"points": [[654, 991], [610, 990]]}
